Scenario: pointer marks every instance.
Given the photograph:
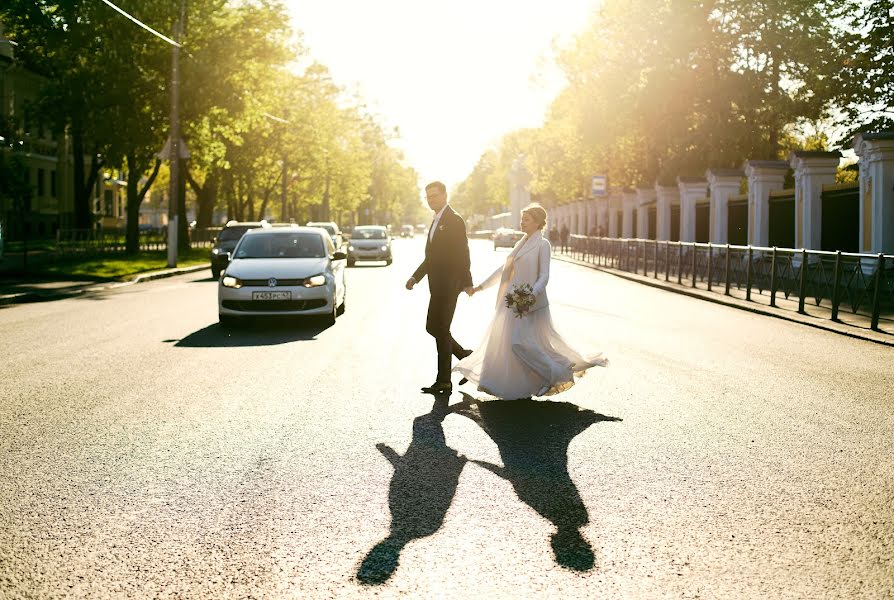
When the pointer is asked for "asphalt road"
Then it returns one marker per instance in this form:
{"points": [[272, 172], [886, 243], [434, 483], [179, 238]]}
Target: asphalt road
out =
{"points": [[146, 452]]}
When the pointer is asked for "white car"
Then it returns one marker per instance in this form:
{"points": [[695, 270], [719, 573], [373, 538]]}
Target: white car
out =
{"points": [[369, 242], [283, 271]]}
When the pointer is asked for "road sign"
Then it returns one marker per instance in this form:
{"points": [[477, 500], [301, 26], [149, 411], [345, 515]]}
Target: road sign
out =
{"points": [[599, 186]]}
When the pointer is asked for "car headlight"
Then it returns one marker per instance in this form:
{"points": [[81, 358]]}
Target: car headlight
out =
{"points": [[231, 282], [315, 281], [215, 251], [384, 248], [350, 248]]}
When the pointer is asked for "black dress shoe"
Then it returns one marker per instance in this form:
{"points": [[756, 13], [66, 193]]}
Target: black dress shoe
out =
{"points": [[464, 354], [463, 381], [439, 387]]}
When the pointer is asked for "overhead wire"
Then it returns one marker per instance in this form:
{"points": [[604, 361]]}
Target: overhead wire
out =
{"points": [[143, 25]]}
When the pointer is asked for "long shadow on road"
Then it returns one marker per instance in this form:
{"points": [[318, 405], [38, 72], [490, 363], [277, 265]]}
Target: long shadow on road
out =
{"points": [[533, 439], [253, 333]]}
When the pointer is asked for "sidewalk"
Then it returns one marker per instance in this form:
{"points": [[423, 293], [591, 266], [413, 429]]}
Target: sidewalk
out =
{"points": [[21, 291], [852, 325]]}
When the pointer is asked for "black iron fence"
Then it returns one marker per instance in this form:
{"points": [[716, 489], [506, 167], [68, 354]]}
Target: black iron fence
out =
{"points": [[836, 283], [112, 241]]}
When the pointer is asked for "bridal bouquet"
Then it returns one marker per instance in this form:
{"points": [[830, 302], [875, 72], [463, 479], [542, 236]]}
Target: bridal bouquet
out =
{"points": [[521, 299]]}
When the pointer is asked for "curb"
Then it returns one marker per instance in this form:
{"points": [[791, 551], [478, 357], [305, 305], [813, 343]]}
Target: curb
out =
{"points": [[826, 325], [29, 297]]}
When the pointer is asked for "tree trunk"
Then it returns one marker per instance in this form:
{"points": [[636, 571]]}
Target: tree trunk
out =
{"points": [[135, 198], [83, 218], [206, 198], [182, 224]]}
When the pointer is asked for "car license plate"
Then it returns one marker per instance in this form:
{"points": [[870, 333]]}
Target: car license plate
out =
{"points": [[271, 295]]}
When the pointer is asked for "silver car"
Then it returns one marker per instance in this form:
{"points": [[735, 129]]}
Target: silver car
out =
{"points": [[369, 242], [283, 271]]}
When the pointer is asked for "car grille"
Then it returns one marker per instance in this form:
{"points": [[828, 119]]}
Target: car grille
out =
{"points": [[273, 305], [279, 282]]}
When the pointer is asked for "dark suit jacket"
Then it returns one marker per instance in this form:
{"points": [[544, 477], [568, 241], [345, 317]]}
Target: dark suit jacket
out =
{"points": [[446, 256]]}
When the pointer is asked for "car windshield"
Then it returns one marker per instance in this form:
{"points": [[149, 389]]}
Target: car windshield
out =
{"points": [[328, 228], [232, 234], [282, 245], [367, 234]]}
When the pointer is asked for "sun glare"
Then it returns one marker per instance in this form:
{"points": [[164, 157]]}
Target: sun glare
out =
{"points": [[453, 76]]}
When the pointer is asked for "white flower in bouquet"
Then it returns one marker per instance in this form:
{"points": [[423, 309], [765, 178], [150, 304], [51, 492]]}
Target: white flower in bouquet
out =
{"points": [[520, 299]]}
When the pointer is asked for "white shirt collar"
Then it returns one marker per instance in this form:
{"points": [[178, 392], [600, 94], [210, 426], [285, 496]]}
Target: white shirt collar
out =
{"points": [[434, 223]]}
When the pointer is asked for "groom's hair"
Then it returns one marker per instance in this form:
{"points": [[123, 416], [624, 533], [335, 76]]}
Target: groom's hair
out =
{"points": [[436, 185]]}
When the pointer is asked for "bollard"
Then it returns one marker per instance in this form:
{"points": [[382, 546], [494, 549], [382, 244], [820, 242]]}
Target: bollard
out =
{"points": [[748, 274], [773, 278], [667, 260], [876, 295], [694, 252], [802, 281], [726, 268], [680, 263], [836, 281], [710, 265]]}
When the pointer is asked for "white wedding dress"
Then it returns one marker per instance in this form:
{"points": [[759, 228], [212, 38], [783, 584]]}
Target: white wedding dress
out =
{"points": [[520, 357]]}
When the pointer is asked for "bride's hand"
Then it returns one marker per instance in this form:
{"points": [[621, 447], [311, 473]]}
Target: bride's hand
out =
{"points": [[470, 291]]}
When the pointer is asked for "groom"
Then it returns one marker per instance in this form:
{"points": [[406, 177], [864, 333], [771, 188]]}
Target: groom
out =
{"points": [[447, 265]]}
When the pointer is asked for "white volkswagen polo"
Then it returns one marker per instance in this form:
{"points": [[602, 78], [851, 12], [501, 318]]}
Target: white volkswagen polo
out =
{"points": [[283, 271]]}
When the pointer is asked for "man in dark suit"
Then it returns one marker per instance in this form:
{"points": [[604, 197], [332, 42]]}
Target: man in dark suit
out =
{"points": [[447, 266]]}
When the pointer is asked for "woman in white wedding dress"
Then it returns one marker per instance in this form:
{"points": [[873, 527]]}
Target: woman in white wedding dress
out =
{"points": [[520, 357]]}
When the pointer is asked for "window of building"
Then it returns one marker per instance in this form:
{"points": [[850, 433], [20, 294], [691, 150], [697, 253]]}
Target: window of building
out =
{"points": [[41, 188], [53, 184], [109, 212]]}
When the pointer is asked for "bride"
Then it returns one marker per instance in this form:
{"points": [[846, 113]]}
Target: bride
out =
{"points": [[520, 357]]}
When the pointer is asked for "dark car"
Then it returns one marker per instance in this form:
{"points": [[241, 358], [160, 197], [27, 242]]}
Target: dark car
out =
{"points": [[226, 242]]}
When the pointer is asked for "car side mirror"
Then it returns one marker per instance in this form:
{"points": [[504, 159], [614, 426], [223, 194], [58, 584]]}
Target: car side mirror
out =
{"points": [[339, 256], [227, 256]]}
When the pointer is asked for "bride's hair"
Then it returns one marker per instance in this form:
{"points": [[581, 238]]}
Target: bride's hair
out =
{"points": [[537, 212]]}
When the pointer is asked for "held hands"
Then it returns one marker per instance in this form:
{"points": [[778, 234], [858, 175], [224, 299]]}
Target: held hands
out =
{"points": [[470, 291]]}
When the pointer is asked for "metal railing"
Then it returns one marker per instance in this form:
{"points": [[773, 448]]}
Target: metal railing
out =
{"points": [[820, 283], [112, 241]]}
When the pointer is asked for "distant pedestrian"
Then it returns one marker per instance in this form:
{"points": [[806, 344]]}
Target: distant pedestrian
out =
{"points": [[564, 236], [554, 236]]}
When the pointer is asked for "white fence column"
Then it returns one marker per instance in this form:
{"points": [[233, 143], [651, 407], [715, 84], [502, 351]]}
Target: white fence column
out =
{"points": [[723, 183], [668, 196], [692, 189], [764, 176], [629, 204], [812, 171], [644, 197], [876, 152], [614, 206]]}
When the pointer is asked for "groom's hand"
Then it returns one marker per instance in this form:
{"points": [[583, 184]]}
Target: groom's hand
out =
{"points": [[469, 290], [410, 283]]}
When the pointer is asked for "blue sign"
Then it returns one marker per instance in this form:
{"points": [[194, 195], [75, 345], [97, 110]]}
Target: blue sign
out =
{"points": [[599, 186]]}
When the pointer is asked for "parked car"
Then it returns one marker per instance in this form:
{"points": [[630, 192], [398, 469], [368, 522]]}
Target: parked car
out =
{"points": [[507, 238], [407, 231], [333, 230], [226, 242], [283, 271], [369, 242]]}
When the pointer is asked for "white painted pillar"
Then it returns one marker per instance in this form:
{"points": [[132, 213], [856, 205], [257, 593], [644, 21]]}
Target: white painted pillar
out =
{"points": [[629, 204], [644, 197], [668, 196], [723, 183], [812, 171], [614, 205], [764, 176], [692, 189], [876, 153]]}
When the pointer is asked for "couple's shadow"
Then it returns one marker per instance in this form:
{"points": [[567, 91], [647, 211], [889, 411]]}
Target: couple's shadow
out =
{"points": [[532, 438]]}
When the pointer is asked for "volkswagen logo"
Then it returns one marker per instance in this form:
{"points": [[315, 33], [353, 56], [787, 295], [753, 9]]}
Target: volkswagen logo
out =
{"points": [[271, 282]]}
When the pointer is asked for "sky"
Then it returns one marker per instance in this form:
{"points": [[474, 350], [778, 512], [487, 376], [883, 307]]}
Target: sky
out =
{"points": [[453, 75]]}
